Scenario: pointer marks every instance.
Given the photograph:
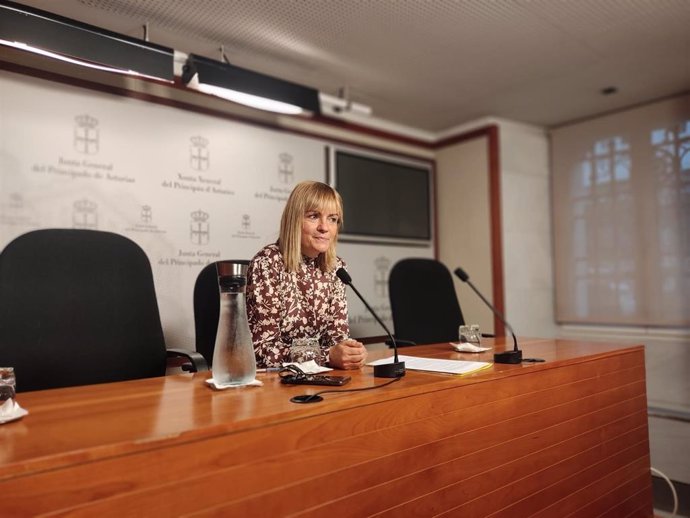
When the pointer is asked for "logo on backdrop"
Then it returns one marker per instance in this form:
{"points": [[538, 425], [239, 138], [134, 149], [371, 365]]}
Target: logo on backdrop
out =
{"points": [[146, 215], [145, 223], [199, 154], [382, 267], [86, 134], [199, 228], [362, 317], [246, 222], [286, 168], [16, 201], [85, 215], [16, 212], [245, 229], [286, 175]]}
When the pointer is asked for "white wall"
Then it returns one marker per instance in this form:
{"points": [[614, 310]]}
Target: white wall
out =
{"points": [[526, 223], [464, 229]]}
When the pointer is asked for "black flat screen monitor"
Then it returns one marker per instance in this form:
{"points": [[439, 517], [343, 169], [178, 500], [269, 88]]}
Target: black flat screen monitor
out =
{"points": [[383, 198]]}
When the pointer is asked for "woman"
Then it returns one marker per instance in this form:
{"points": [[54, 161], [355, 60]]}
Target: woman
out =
{"points": [[292, 289]]}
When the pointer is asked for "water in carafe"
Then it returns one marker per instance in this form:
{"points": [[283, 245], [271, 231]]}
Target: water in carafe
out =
{"points": [[233, 354]]}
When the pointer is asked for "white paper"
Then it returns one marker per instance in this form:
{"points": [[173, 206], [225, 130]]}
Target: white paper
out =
{"points": [[435, 365], [222, 386], [310, 367], [10, 411], [468, 348]]}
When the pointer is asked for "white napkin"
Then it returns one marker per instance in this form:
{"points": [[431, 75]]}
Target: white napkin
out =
{"points": [[310, 367], [222, 386], [10, 410], [466, 347]]}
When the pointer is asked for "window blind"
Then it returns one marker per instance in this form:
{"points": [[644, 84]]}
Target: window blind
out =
{"points": [[621, 213]]}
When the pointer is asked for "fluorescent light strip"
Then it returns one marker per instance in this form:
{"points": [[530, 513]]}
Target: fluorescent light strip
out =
{"points": [[67, 59], [253, 101]]}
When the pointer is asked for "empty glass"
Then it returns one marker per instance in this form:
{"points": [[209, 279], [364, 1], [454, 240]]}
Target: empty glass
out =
{"points": [[7, 384], [470, 334], [305, 349]]}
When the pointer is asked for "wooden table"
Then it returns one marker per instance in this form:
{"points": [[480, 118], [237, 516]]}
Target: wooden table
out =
{"points": [[567, 437]]}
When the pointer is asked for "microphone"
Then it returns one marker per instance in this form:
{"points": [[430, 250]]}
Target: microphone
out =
{"points": [[514, 356], [387, 370]]}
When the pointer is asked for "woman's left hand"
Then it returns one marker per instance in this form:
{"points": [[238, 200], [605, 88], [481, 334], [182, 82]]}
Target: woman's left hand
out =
{"points": [[348, 354]]}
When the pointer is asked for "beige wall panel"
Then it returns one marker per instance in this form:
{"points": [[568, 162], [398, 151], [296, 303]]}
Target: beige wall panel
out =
{"points": [[464, 232]]}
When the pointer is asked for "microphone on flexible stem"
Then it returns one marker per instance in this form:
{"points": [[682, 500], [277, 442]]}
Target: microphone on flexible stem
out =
{"points": [[386, 370], [514, 356]]}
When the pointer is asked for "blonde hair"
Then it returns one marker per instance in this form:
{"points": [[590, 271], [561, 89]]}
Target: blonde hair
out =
{"points": [[307, 196]]}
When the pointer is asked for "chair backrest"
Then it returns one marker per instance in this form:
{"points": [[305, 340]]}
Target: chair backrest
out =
{"points": [[78, 307], [206, 310], [424, 304]]}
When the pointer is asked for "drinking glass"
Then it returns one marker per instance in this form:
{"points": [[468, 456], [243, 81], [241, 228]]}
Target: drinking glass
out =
{"points": [[470, 333], [8, 384], [305, 349]]}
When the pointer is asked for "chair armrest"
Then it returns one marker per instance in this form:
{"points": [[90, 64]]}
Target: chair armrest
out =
{"points": [[197, 361], [400, 343]]}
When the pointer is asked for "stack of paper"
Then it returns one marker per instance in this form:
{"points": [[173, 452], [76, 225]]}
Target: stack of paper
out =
{"points": [[435, 365]]}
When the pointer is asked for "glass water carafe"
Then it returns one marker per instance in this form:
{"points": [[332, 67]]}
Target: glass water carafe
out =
{"points": [[233, 354]]}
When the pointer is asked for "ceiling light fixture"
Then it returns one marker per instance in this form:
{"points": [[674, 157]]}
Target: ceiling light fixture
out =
{"points": [[68, 40], [248, 88]]}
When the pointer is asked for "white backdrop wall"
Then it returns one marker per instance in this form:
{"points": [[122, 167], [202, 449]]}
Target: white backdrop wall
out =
{"points": [[188, 188]]}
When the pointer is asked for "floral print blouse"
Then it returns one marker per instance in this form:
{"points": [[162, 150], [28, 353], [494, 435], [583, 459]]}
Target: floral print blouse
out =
{"points": [[283, 306]]}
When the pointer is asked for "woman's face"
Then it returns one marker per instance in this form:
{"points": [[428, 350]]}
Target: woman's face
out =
{"points": [[319, 229]]}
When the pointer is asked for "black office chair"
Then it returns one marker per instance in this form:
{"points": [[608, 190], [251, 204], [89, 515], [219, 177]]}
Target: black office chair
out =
{"points": [[424, 304], [79, 307]]}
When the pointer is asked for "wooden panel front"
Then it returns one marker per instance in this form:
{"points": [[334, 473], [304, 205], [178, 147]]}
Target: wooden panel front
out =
{"points": [[565, 438]]}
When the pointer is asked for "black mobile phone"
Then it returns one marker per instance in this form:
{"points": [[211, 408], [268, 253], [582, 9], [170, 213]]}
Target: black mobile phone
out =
{"points": [[315, 379]]}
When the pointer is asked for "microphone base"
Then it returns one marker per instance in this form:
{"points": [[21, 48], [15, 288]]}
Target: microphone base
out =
{"points": [[390, 370], [508, 357]]}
